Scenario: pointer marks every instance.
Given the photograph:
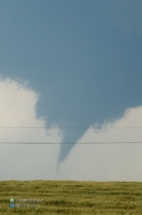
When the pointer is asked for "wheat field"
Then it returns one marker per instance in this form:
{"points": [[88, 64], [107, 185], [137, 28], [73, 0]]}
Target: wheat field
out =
{"points": [[70, 197]]}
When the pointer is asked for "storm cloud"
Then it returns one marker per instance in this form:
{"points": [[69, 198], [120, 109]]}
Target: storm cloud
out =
{"points": [[82, 57]]}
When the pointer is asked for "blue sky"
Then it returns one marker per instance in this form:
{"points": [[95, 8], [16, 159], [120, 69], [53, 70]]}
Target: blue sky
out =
{"points": [[83, 59]]}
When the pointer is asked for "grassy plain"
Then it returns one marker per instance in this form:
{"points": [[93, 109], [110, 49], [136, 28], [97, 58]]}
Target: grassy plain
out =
{"points": [[71, 197]]}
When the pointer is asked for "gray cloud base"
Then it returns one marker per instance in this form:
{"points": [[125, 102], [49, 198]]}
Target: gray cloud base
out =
{"points": [[83, 59]]}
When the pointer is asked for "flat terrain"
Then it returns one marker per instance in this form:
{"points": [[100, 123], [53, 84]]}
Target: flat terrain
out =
{"points": [[71, 197]]}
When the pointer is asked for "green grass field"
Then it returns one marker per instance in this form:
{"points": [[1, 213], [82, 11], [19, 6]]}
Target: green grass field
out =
{"points": [[71, 197]]}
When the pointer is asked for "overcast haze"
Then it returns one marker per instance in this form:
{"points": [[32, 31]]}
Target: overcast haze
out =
{"points": [[71, 64]]}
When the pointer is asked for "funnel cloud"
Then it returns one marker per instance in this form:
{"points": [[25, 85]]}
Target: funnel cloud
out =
{"points": [[82, 57]]}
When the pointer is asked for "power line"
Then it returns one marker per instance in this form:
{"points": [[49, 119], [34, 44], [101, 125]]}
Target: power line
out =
{"points": [[131, 142], [71, 127]]}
